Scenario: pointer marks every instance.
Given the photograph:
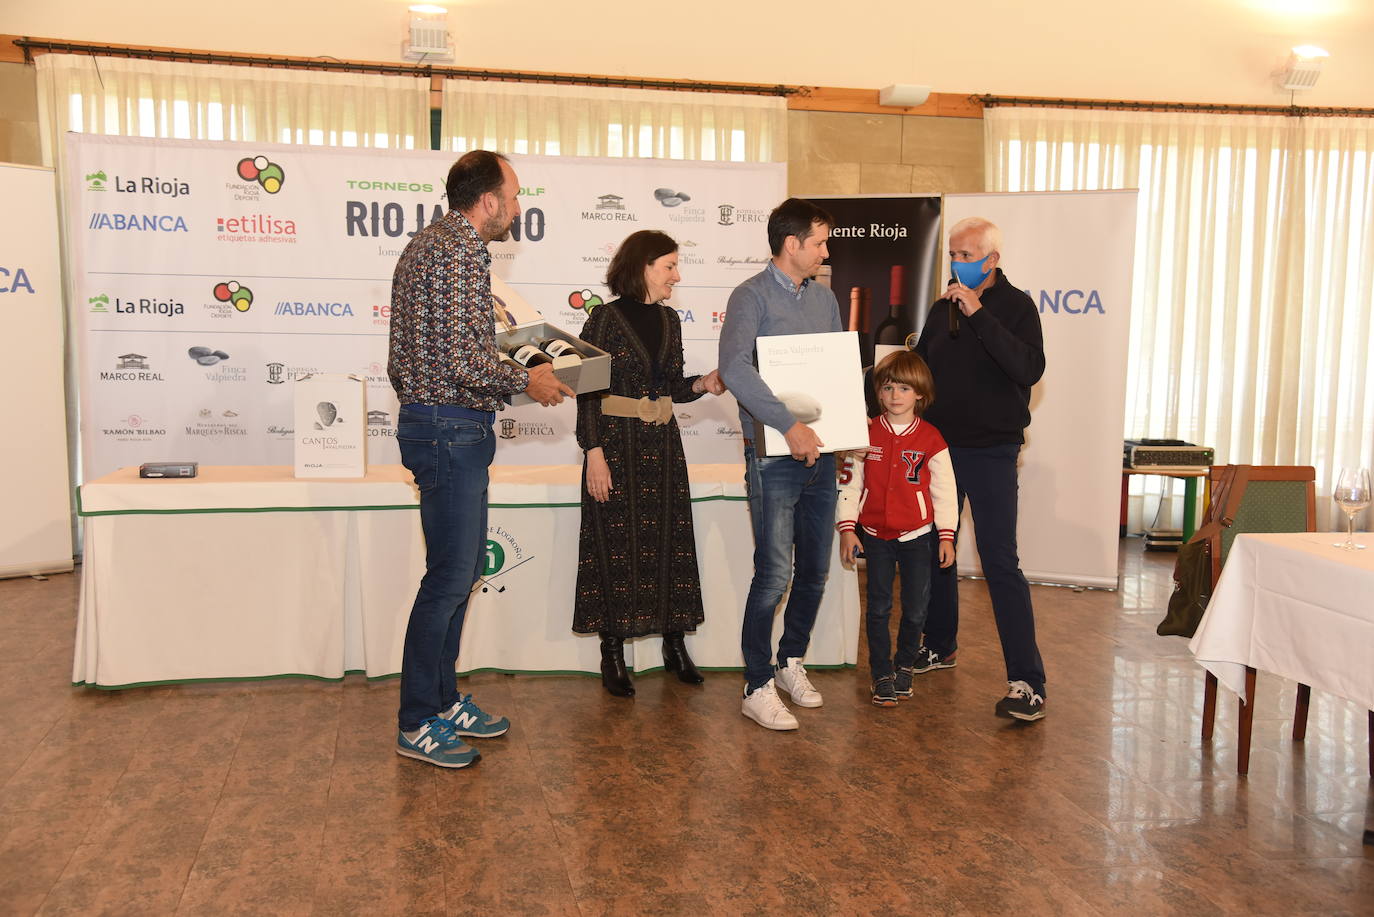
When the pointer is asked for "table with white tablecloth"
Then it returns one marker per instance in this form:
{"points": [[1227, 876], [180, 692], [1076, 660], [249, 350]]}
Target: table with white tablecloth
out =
{"points": [[249, 572], [1293, 605]]}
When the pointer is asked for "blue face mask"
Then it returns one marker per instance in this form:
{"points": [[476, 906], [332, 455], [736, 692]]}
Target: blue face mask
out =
{"points": [[970, 273]]}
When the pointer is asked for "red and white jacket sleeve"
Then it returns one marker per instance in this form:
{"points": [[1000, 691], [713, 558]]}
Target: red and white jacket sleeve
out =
{"points": [[851, 490], [944, 494]]}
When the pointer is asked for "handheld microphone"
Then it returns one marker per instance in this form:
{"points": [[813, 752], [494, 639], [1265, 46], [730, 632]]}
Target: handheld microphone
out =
{"points": [[953, 315]]}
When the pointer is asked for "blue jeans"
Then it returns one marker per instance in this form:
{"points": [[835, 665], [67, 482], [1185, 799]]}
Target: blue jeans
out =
{"points": [[449, 457], [987, 477], [884, 559], [792, 510]]}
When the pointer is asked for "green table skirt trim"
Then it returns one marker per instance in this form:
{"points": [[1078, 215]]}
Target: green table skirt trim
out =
{"points": [[372, 678], [82, 511]]}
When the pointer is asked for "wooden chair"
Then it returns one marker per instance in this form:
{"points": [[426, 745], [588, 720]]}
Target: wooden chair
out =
{"points": [[1271, 498]]}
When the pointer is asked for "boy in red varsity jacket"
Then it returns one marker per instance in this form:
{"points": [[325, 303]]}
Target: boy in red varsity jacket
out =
{"points": [[899, 503]]}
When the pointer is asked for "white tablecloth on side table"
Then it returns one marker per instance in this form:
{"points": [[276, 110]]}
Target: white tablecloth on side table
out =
{"points": [[249, 572], [1293, 605]]}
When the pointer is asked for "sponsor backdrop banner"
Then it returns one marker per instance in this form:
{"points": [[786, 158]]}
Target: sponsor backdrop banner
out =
{"points": [[207, 276], [884, 259], [37, 535], [1073, 253]]}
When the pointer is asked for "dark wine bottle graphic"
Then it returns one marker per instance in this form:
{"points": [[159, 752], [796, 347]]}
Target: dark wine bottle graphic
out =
{"points": [[891, 333]]}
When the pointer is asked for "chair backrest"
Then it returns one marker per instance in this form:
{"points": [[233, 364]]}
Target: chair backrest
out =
{"points": [[1274, 498]]}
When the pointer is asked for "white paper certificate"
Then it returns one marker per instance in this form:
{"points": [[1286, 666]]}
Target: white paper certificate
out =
{"points": [[820, 379]]}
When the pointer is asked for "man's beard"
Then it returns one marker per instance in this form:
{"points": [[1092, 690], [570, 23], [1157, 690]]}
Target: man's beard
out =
{"points": [[497, 229]]}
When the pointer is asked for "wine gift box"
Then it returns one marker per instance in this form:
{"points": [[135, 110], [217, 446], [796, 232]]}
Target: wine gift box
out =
{"points": [[331, 426], [589, 373]]}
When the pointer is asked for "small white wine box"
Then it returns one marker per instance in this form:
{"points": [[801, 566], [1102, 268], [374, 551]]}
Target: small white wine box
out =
{"points": [[331, 426], [821, 380]]}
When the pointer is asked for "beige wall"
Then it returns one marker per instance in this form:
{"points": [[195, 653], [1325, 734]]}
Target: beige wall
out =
{"points": [[1172, 50], [832, 153], [19, 121]]}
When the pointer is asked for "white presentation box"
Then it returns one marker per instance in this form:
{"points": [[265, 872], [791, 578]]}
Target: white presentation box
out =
{"points": [[331, 426], [821, 380], [590, 373]]}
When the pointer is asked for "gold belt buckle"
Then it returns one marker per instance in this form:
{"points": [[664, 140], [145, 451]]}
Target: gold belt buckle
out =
{"points": [[648, 410]]}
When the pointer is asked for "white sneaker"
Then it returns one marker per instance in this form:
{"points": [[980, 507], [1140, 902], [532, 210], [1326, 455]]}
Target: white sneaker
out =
{"points": [[792, 679], [767, 709]]}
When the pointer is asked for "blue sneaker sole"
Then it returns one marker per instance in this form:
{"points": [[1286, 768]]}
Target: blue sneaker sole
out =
{"points": [[437, 762]]}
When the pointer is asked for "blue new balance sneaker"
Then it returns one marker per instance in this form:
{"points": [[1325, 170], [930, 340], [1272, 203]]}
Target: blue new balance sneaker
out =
{"points": [[438, 744], [468, 719]]}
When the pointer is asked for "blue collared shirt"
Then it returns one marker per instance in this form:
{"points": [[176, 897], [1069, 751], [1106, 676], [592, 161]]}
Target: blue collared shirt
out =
{"points": [[795, 289]]}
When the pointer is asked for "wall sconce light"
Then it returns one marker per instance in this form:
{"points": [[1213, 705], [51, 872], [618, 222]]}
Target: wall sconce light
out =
{"points": [[903, 95], [1303, 68], [427, 37]]}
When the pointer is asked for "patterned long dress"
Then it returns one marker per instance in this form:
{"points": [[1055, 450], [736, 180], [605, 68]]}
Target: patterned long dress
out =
{"points": [[637, 568]]}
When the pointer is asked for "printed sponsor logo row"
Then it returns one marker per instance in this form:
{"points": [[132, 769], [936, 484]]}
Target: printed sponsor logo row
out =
{"points": [[257, 179], [225, 423]]}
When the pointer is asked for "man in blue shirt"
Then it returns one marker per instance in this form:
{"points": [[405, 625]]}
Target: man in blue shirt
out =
{"points": [[791, 497]]}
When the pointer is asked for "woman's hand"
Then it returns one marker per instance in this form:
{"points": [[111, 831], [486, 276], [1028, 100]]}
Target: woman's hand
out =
{"points": [[598, 475], [712, 382]]}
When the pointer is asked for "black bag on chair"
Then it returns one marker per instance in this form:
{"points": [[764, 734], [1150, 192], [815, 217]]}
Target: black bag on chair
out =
{"points": [[1192, 590], [1194, 568]]}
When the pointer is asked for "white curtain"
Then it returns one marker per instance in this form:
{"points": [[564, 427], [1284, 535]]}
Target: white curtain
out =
{"points": [[1254, 271], [604, 121], [143, 98]]}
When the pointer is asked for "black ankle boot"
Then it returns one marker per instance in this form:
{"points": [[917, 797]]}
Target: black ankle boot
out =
{"points": [[675, 659], [613, 673]]}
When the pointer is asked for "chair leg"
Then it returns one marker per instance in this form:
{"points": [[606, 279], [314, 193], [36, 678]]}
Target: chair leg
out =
{"points": [[1209, 706], [1247, 720], [1300, 713]]}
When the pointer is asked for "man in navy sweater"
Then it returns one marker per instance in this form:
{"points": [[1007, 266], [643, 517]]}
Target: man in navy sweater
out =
{"points": [[984, 346]]}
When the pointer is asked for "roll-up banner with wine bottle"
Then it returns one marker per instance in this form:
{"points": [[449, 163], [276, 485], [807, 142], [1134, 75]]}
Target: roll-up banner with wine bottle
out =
{"points": [[883, 266], [1072, 252]]}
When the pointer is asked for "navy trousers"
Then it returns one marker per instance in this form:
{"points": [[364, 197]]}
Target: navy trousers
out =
{"points": [[987, 479]]}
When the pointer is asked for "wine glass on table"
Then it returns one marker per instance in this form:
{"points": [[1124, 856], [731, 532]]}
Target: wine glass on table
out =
{"points": [[1351, 494]]}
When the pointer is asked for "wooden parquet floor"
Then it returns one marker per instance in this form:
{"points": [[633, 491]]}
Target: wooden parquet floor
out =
{"points": [[285, 797]]}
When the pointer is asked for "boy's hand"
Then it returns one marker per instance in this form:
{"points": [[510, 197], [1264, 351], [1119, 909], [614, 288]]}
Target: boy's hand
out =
{"points": [[849, 549], [946, 553]]}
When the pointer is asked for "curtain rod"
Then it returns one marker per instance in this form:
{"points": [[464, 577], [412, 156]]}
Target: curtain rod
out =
{"points": [[1292, 111], [510, 76]]}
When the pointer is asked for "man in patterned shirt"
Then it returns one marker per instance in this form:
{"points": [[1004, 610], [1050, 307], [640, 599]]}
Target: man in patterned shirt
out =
{"points": [[450, 382]]}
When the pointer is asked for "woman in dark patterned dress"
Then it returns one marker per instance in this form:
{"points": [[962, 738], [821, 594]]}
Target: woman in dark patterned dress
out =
{"points": [[637, 569]]}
